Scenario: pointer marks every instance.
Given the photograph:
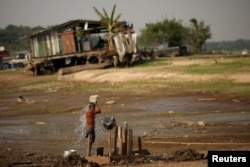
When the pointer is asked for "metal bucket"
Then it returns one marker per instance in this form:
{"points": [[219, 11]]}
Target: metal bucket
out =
{"points": [[66, 154]]}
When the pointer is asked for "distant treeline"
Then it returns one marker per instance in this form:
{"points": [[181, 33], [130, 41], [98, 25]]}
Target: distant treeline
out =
{"points": [[227, 46], [10, 35]]}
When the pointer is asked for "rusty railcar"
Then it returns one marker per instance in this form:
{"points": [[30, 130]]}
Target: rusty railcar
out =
{"points": [[76, 42]]}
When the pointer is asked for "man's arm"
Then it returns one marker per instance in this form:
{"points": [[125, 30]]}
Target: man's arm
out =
{"points": [[97, 109]]}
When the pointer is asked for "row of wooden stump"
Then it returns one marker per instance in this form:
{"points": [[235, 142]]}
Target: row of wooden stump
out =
{"points": [[122, 142]]}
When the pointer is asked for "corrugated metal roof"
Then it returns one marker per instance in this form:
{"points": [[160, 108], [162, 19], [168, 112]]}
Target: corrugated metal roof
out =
{"points": [[67, 25], [92, 25]]}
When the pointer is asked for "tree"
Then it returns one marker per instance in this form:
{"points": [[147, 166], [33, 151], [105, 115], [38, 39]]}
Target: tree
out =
{"points": [[198, 34], [110, 22], [170, 31], [10, 37]]}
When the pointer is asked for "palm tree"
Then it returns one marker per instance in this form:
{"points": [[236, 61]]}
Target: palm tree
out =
{"points": [[110, 22], [199, 33]]}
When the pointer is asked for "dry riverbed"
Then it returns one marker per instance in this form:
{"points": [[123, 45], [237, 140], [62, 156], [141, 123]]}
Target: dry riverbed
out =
{"points": [[39, 128]]}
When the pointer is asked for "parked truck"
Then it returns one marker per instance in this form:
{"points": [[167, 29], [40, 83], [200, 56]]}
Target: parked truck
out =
{"points": [[20, 60], [80, 42], [164, 50]]}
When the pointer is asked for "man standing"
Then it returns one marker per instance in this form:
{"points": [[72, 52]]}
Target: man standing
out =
{"points": [[92, 110]]}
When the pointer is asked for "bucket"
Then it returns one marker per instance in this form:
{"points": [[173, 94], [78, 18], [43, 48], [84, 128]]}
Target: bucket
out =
{"points": [[66, 154], [99, 151], [69, 153]]}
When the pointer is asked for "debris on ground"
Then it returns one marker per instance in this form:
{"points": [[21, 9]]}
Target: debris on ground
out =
{"points": [[32, 159], [75, 160], [29, 159], [187, 155]]}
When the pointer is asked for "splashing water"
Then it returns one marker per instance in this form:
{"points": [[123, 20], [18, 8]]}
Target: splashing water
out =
{"points": [[81, 128]]}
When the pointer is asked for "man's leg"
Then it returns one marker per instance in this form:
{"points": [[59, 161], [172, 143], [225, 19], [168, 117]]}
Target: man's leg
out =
{"points": [[89, 145], [91, 140]]}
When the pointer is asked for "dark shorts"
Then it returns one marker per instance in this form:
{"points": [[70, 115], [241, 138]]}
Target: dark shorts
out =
{"points": [[90, 132]]}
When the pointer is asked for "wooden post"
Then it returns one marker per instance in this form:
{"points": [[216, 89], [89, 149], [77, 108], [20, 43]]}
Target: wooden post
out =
{"points": [[129, 141], [115, 140], [125, 141], [35, 70], [119, 141], [139, 144], [109, 142]]}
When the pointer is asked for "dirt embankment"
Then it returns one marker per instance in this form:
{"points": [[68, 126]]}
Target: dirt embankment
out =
{"points": [[161, 72]]}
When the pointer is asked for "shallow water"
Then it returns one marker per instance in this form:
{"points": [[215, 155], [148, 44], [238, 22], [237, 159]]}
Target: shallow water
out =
{"points": [[61, 132]]}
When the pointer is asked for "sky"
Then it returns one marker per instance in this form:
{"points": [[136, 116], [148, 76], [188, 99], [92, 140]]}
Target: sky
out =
{"points": [[228, 19]]}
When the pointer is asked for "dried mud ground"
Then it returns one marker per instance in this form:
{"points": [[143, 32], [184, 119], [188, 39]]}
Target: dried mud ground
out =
{"points": [[37, 130]]}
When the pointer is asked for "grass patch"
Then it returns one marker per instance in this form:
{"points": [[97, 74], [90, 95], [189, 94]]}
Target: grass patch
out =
{"points": [[236, 66], [241, 89], [153, 63], [152, 86]]}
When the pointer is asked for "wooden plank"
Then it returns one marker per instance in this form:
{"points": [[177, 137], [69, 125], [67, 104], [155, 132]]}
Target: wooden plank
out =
{"points": [[103, 52]]}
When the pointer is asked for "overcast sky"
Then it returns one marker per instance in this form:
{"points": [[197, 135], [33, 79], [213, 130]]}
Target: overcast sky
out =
{"points": [[228, 19]]}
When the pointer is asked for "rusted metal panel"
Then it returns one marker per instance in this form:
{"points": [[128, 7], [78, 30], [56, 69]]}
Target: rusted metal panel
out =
{"points": [[68, 42]]}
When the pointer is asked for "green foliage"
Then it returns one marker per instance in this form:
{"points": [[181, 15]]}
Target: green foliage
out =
{"points": [[110, 22], [175, 33], [198, 34], [170, 31], [151, 63], [9, 37]]}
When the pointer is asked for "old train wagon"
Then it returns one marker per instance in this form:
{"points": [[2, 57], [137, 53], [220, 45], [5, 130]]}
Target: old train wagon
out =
{"points": [[75, 42]]}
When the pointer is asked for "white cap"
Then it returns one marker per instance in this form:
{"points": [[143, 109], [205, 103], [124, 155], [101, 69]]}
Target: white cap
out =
{"points": [[93, 98]]}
